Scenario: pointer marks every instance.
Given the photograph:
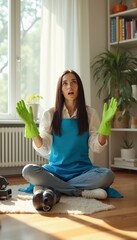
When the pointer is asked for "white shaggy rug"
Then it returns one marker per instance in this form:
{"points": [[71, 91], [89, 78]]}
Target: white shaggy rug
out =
{"points": [[22, 203]]}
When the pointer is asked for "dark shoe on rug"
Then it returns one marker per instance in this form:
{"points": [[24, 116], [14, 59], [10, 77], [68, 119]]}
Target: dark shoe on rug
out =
{"points": [[50, 198], [38, 199], [45, 199]]}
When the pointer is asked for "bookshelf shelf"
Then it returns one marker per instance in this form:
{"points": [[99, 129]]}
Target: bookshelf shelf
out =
{"points": [[128, 13], [129, 43]]}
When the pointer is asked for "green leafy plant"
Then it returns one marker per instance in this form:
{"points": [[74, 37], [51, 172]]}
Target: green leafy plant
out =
{"points": [[115, 71], [127, 144]]}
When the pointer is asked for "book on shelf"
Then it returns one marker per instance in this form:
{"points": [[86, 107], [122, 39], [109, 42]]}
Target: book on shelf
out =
{"points": [[113, 30], [123, 28]]}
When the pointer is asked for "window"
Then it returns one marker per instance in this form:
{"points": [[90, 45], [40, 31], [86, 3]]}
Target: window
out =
{"points": [[3, 56], [20, 32]]}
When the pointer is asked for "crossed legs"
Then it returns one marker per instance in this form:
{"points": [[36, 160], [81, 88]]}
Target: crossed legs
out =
{"points": [[94, 179]]}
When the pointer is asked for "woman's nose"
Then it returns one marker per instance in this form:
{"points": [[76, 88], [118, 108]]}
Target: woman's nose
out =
{"points": [[69, 84]]}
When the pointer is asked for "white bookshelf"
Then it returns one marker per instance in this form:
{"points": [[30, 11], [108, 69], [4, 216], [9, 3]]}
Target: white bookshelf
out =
{"points": [[116, 138]]}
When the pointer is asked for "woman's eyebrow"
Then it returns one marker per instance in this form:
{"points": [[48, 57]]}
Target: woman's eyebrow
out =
{"points": [[68, 80]]}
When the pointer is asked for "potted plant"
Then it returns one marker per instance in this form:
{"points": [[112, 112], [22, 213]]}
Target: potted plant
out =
{"points": [[33, 100], [127, 150], [116, 71]]}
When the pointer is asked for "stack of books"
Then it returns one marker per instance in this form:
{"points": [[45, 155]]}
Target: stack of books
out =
{"points": [[123, 29]]}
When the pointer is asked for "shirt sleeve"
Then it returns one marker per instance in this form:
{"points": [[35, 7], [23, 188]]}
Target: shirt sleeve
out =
{"points": [[45, 133], [94, 123]]}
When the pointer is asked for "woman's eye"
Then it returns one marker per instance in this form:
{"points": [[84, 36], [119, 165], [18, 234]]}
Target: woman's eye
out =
{"points": [[74, 82], [64, 84]]}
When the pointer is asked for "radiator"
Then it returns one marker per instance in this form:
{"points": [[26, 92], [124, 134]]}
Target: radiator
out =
{"points": [[15, 149]]}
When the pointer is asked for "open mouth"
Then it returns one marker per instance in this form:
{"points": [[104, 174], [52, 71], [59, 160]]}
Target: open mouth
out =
{"points": [[70, 93]]}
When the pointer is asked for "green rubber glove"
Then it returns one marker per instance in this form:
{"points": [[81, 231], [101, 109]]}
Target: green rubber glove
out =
{"points": [[108, 114], [26, 115]]}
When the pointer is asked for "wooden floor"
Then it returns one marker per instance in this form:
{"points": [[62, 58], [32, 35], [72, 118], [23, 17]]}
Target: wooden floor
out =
{"points": [[119, 223]]}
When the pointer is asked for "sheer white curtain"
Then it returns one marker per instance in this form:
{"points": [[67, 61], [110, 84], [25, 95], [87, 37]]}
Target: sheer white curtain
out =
{"points": [[64, 44]]}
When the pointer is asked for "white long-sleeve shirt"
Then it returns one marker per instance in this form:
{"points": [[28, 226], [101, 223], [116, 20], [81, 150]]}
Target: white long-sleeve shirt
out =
{"points": [[45, 130]]}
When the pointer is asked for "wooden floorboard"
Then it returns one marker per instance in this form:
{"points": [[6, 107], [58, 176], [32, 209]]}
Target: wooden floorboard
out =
{"points": [[119, 223]]}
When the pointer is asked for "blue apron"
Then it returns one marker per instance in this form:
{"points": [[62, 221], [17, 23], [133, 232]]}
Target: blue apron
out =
{"points": [[69, 152]]}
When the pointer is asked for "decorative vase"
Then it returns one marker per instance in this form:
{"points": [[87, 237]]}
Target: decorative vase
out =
{"points": [[119, 8], [35, 109]]}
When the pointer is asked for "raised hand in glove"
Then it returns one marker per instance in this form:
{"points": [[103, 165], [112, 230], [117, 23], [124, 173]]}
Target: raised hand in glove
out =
{"points": [[107, 116], [26, 115]]}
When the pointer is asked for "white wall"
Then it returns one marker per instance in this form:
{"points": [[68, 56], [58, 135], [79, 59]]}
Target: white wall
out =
{"points": [[98, 43]]}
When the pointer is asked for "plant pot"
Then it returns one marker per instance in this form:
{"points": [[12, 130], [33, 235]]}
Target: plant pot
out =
{"points": [[128, 153], [134, 122], [122, 123], [35, 109]]}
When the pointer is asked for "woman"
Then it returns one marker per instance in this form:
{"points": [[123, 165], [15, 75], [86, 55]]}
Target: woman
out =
{"points": [[67, 132]]}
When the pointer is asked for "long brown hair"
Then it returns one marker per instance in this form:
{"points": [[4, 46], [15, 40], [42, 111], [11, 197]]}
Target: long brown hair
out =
{"points": [[82, 116]]}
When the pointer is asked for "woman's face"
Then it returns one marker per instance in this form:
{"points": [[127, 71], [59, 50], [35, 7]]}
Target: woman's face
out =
{"points": [[69, 87]]}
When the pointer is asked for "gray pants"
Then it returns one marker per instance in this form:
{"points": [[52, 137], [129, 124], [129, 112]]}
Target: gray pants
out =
{"points": [[94, 178]]}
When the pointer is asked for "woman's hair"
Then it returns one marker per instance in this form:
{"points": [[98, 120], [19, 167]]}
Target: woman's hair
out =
{"points": [[82, 116]]}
